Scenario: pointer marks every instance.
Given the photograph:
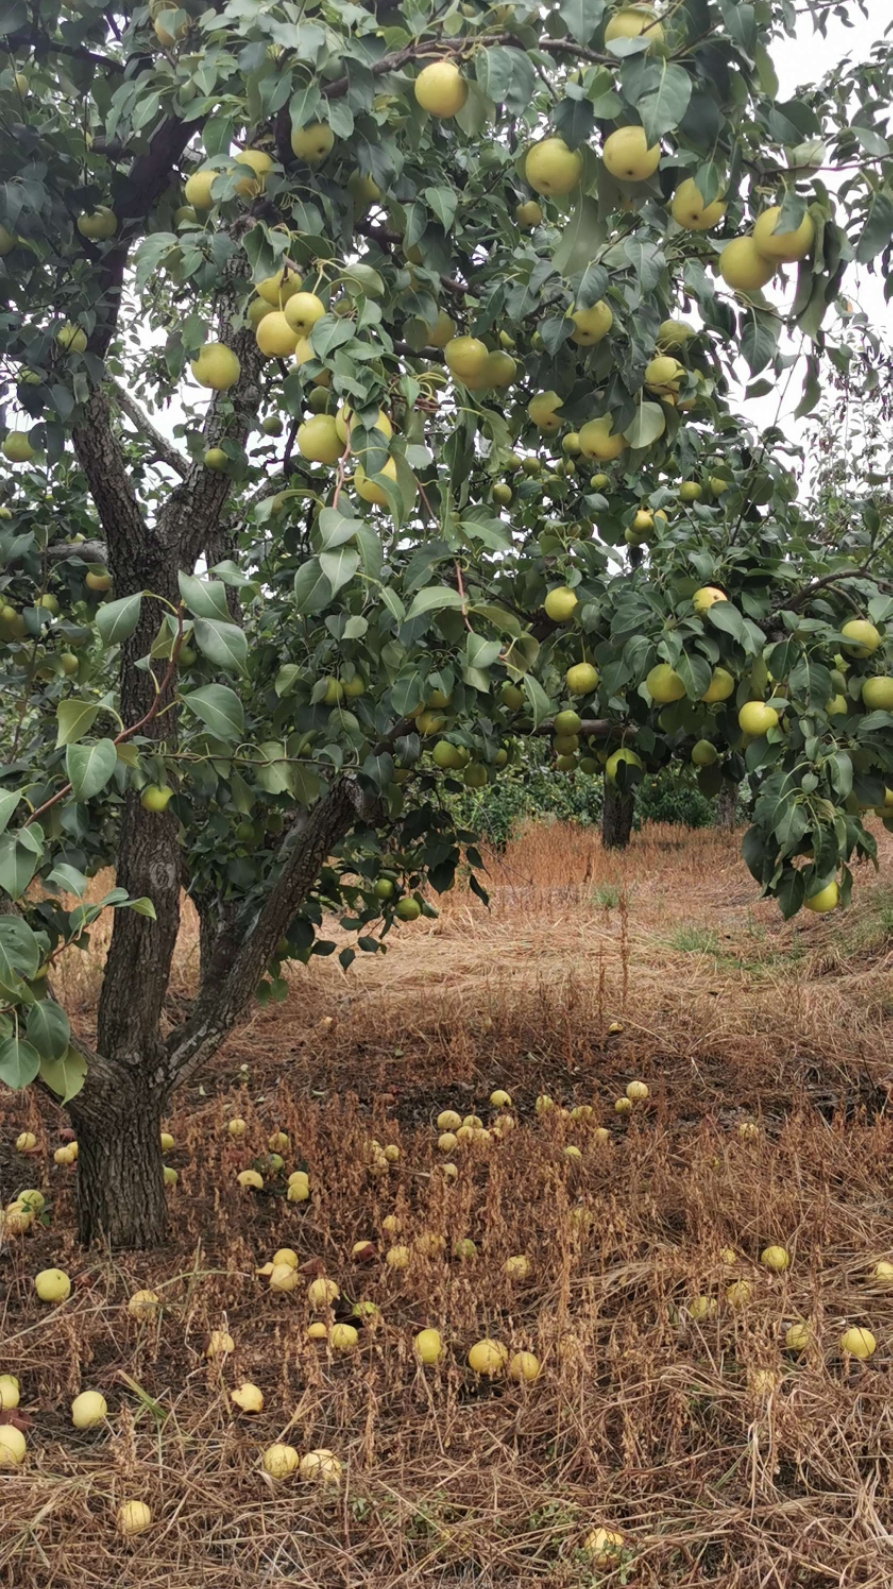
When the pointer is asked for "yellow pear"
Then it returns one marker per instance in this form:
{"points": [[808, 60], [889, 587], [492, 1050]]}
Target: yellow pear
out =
{"points": [[634, 22], [442, 331], [368, 490], [664, 375], [628, 157], [598, 441], [706, 596], [261, 164], [673, 333], [782, 248], [100, 224], [689, 210], [276, 290], [441, 89], [591, 325], [274, 336], [529, 214], [826, 899], [216, 367], [318, 439], [742, 268], [163, 34], [664, 684], [756, 718], [302, 310], [466, 357], [552, 168], [312, 143], [197, 190], [543, 411]]}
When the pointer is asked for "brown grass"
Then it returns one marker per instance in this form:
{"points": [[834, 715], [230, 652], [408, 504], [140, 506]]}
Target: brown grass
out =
{"points": [[643, 1421]]}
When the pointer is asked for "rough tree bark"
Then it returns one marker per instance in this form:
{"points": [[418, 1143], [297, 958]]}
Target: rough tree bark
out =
{"points": [[120, 1182], [726, 806], [617, 817]]}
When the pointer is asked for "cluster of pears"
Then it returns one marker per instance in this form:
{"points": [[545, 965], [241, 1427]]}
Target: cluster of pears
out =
{"points": [[476, 366], [432, 719], [747, 263]]}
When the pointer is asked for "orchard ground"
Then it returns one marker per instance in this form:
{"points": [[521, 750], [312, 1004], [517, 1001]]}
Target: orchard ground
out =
{"points": [[643, 1420]]}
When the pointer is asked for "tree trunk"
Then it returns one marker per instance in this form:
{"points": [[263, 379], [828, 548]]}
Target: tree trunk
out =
{"points": [[726, 805], [617, 816], [120, 1182]]}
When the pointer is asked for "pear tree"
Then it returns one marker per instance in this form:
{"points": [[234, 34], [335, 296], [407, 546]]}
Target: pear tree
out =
{"points": [[368, 385]]}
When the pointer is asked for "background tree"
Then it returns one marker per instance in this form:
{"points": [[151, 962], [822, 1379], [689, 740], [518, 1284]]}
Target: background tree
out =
{"points": [[464, 476]]}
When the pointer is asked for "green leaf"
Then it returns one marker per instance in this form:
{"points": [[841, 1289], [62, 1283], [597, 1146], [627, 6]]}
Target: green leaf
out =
{"points": [[222, 643], [19, 1063], [49, 1030], [231, 574], [582, 236], [339, 566], [18, 863], [117, 620], [582, 17], [334, 528], [142, 906], [312, 589], [574, 119], [74, 719], [9, 799], [90, 767], [68, 878], [393, 603], [19, 951], [730, 621], [760, 340], [648, 426], [205, 598], [219, 709], [664, 104], [286, 679], [507, 77], [65, 1076], [443, 202], [695, 672], [434, 598], [878, 228], [593, 286], [276, 773], [766, 71], [540, 705]]}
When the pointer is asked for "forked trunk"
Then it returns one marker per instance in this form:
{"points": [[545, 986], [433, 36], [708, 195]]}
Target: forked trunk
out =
{"points": [[617, 816], [120, 1176]]}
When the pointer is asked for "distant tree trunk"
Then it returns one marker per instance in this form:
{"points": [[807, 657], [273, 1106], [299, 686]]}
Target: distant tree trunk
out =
{"points": [[726, 806], [617, 817]]}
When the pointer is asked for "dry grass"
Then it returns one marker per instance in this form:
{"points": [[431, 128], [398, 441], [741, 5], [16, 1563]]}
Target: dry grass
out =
{"points": [[642, 1419]]}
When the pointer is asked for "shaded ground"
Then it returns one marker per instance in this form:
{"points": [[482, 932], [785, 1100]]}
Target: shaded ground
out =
{"points": [[643, 1420]]}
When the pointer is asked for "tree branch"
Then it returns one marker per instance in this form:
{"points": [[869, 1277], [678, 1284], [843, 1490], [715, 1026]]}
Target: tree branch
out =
{"points": [[37, 44], [441, 47], [809, 591], [244, 951], [83, 551], [133, 196], [165, 450]]}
